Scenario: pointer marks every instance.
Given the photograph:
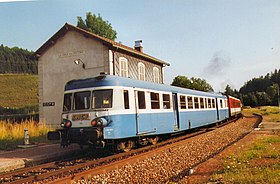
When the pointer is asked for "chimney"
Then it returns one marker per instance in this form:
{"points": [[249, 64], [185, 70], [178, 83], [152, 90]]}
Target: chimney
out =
{"points": [[138, 45]]}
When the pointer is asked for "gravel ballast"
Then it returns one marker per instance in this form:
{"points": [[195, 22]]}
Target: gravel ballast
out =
{"points": [[173, 164]]}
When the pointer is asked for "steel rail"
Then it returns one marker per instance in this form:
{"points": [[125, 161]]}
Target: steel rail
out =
{"points": [[101, 165]]}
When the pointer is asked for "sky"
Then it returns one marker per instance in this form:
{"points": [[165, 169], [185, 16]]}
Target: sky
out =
{"points": [[221, 41]]}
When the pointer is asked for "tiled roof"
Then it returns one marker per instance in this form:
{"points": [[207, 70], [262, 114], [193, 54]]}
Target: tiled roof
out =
{"points": [[105, 41]]}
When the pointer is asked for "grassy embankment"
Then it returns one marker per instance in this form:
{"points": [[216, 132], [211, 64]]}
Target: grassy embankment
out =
{"points": [[19, 92], [257, 163]]}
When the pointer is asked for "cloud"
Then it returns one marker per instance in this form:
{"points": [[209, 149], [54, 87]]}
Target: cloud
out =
{"points": [[218, 65]]}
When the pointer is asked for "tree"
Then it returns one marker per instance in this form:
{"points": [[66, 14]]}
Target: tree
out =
{"points": [[97, 25], [229, 91], [17, 60], [192, 83], [261, 90], [250, 100]]}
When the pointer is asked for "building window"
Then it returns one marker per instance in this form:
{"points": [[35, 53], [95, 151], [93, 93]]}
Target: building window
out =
{"points": [[156, 74], [141, 71], [155, 100], [123, 67]]}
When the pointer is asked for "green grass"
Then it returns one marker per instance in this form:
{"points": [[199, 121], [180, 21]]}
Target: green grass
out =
{"points": [[258, 163], [269, 113], [18, 90]]}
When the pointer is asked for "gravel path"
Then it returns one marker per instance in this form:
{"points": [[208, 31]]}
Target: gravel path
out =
{"points": [[172, 165]]}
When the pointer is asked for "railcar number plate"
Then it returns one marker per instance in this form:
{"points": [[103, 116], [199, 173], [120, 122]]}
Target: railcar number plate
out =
{"points": [[76, 117]]}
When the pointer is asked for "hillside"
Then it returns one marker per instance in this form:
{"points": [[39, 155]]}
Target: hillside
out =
{"points": [[18, 90], [17, 60]]}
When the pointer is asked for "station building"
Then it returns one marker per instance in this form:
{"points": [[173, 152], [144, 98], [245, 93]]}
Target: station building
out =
{"points": [[73, 53]]}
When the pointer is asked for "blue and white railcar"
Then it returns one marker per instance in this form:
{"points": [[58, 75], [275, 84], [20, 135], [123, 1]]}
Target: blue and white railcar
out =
{"points": [[110, 109]]}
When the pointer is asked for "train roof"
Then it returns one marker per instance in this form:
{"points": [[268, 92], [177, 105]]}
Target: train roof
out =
{"points": [[112, 80]]}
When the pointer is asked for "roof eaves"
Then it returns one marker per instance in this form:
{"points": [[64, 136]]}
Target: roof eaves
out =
{"points": [[133, 51], [105, 41]]}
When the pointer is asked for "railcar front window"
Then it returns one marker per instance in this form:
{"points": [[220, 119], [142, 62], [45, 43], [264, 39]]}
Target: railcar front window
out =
{"points": [[81, 100], [67, 102], [102, 98]]}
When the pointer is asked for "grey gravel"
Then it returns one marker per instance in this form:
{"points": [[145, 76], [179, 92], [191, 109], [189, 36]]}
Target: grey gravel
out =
{"points": [[172, 165]]}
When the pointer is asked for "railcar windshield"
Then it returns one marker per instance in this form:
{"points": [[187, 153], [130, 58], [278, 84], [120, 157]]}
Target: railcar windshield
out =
{"points": [[67, 102], [102, 98], [81, 100]]}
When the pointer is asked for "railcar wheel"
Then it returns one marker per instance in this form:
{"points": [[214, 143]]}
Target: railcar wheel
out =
{"points": [[125, 146], [154, 140]]}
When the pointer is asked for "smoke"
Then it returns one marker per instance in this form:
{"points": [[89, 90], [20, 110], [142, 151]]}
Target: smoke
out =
{"points": [[218, 65]]}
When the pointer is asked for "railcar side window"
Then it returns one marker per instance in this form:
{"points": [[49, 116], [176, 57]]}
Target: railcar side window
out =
{"points": [[221, 103], [196, 105], [190, 102], [141, 100], [102, 98], [166, 101], [81, 100], [209, 103], [202, 103], [67, 102], [155, 100], [213, 103], [126, 99], [183, 102]]}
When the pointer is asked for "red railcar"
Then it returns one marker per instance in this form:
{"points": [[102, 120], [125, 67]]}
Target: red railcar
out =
{"points": [[234, 106]]}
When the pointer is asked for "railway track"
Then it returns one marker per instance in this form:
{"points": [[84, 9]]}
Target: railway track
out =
{"points": [[68, 171]]}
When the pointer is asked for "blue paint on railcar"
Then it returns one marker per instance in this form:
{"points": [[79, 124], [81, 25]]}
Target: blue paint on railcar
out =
{"points": [[223, 114], [124, 126], [199, 118]]}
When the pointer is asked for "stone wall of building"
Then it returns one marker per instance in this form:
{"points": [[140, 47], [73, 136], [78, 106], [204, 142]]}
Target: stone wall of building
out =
{"points": [[56, 67]]}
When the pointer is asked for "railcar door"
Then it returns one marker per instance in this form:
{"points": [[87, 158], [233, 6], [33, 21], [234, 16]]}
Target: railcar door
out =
{"points": [[144, 124], [176, 111], [217, 108]]}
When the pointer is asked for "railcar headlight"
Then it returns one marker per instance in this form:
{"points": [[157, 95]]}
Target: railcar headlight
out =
{"points": [[93, 123], [99, 122], [66, 123]]}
